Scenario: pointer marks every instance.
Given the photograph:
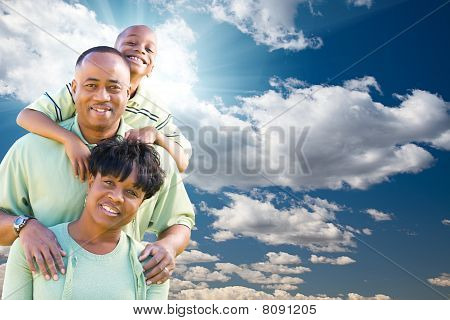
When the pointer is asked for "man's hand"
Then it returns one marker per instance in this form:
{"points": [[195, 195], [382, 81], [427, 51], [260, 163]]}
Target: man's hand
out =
{"points": [[78, 154], [160, 267], [40, 245], [147, 134]]}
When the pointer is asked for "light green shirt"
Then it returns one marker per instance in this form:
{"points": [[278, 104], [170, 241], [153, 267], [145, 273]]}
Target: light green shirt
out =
{"points": [[36, 179], [117, 275], [140, 112]]}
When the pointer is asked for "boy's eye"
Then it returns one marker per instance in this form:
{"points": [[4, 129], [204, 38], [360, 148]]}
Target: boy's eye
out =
{"points": [[149, 50]]}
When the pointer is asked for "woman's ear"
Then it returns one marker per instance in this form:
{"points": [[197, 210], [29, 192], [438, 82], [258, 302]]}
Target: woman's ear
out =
{"points": [[91, 179]]}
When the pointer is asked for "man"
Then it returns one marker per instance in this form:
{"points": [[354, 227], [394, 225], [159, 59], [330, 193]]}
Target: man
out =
{"points": [[38, 189]]}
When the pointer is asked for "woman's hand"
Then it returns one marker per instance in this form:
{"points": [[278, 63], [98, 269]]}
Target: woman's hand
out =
{"points": [[78, 154], [160, 267], [40, 245]]}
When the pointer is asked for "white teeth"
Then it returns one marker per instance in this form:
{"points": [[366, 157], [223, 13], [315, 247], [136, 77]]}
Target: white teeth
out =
{"points": [[100, 110], [136, 59], [109, 210]]}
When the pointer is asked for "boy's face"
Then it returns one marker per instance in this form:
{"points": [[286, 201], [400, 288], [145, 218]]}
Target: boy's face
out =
{"points": [[138, 45]]}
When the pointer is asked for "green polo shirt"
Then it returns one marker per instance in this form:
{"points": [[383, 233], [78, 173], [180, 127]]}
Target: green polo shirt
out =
{"points": [[36, 179], [140, 112]]}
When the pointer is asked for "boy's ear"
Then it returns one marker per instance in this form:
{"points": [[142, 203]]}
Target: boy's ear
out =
{"points": [[73, 86]]}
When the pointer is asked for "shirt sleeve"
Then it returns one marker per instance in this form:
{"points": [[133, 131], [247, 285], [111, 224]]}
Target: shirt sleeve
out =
{"points": [[14, 196], [57, 106], [172, 205], [171, 131], [18, 284]]}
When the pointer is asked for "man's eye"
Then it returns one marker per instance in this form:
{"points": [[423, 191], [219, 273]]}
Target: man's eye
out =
{"points": [[114, 88], [90, 85], [130, 43]]}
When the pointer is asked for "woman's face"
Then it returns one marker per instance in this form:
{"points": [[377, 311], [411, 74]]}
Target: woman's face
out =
{"points": [[113, 203]]}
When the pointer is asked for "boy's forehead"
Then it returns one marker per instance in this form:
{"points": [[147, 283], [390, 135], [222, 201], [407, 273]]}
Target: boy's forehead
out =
{"points": [[139, 31]]}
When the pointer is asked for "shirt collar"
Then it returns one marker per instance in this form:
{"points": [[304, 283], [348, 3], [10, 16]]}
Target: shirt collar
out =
{"points": [[141, 95], [123, 127]]}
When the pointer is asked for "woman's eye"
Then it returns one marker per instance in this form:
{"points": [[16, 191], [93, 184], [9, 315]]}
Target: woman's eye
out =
{"points": [[132, 193], [108, 182]]}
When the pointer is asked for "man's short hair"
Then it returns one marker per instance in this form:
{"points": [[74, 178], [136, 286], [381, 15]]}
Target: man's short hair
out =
{"points": [[101, 49], [117, 157]]}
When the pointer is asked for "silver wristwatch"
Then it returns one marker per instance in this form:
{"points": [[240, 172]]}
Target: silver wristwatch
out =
{"points": [[20, 222]]}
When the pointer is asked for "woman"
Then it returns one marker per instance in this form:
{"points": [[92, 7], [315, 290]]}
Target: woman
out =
{"points": [[103, 261]]}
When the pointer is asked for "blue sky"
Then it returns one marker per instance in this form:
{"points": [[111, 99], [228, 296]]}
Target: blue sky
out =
{"points": [[378, 141]]}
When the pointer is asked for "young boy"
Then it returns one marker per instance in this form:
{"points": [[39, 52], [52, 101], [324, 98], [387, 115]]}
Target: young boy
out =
{"points": [[152, 124]]}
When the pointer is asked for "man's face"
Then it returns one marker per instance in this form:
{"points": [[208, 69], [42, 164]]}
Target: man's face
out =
{"points": [[138, 45], [101, 90]]}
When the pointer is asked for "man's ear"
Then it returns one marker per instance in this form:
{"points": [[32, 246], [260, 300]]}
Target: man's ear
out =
{"points": [[128, 92], [73, 86]]}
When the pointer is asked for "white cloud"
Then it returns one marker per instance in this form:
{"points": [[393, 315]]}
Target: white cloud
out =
{"points": [[283, 258], [378, 215], [367, 231], [243, 293], [360, 3], [227, 293], [353, 141], [278, 268], [195, 256], [443, 280], [363, 84], [253, 276], [343, 260], [198, 273], [28, 52], [355, 296], [268, 22], [284, 287], [192, 244], [446, 222], [176, 285], [297, 225], [223, 235]]}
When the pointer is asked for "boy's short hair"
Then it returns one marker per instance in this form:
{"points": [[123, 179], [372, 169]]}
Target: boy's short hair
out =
{"points": [[117, 157]]}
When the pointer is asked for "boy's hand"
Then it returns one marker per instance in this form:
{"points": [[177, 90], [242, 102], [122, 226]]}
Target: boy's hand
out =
{"points": [[78, 154], [147, 134]]}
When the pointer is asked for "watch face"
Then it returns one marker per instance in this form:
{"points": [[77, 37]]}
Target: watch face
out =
{"points": [[19, 221]]}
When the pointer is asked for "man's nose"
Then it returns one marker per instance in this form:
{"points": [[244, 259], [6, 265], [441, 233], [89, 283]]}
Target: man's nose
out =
{"points": [[102, 94]]}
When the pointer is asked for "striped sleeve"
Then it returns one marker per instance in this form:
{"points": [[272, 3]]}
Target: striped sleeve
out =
{"points": [[57, 106]]}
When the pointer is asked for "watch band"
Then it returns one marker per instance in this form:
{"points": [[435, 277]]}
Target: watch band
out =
{"points": [[20, 222]]}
